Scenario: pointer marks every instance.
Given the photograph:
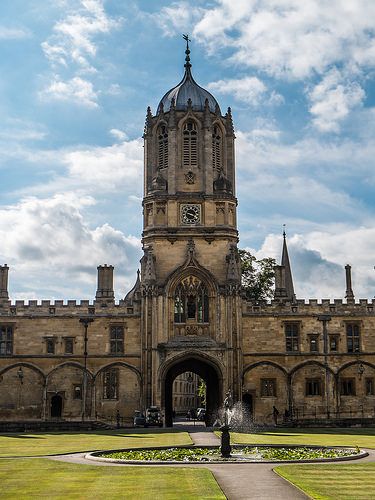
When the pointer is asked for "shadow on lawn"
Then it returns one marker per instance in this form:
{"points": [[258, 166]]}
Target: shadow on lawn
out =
{"points": [[122, 433], [22, 436]]}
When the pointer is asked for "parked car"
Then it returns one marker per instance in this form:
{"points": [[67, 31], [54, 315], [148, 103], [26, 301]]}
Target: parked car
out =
{"points": [[154, 417], [139, 419], [201, 413]]}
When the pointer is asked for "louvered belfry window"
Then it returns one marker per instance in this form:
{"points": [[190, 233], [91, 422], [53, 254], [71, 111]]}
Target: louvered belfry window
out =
{"points": [[162, 147], [190, 144], [216, 148]]}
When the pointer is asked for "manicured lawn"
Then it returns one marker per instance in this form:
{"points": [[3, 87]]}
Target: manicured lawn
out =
{"points": [[333, 481], [38, 444], [23, 479], [323, 437]]}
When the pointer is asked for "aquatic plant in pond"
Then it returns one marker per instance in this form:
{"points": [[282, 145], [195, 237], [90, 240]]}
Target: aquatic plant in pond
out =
{"points": [[252, 453]]}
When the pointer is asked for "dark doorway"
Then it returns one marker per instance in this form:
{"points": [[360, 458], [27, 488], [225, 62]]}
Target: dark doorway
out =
{"points": [[247, 402], [56, 406], [205, 371]]}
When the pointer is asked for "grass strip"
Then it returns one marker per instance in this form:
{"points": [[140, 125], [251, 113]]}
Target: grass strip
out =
{"points": [[42, 478], [53, 443], [364, 438], [332, 481]]}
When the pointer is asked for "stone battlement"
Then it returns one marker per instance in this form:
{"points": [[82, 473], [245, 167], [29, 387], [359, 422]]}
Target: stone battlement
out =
{"points": [[61, 307], [312, 306]]}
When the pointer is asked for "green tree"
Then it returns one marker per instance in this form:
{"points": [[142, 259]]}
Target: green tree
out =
{"points": [[202, 391], [258, 276]]}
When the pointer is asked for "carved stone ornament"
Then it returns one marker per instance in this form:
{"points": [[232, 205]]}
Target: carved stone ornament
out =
{"points": [[190, 177], [191, 330]]}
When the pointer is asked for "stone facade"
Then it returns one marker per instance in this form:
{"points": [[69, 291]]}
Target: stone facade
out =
{"points": [[186, 311]]}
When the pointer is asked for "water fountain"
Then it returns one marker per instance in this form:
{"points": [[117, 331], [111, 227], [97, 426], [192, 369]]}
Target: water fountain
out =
{"points": [[230, 417], [225, 447]]}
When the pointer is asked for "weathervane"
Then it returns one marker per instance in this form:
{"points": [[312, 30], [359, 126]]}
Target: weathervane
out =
{"points": [[185, 36]]}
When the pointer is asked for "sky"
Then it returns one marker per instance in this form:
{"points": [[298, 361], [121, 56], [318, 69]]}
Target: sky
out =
{"points": [[76, 77]]}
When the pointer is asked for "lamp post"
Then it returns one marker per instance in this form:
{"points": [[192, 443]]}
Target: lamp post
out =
{"points": [[325, 319], [85, 322], [20, 375]]}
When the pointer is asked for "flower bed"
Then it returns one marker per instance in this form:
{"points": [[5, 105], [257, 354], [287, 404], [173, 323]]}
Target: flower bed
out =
{"points": [[242, 453]]}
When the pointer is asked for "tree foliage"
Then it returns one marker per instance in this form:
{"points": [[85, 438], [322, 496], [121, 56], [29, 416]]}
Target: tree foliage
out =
{"points": [[257, 276], [202, 391]]}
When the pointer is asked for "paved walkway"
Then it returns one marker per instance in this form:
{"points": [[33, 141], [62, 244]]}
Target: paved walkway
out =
{"points": [[253, 481]]}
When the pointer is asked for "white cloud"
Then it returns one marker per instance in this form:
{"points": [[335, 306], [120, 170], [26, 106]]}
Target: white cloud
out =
{"points": [[73, 46], [249, 89], [49, 241], [90, 170], [118, 134], [178, 17], [73, 37], [290, 38], [76, 90], [7, 33], [113, 167], [332, 99]]}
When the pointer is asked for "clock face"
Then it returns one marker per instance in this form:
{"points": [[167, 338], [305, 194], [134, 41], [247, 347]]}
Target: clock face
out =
{"points": [[190, 214]]}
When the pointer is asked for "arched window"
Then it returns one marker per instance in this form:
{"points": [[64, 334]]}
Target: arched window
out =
{"points": [[216, 148], [162, 147], [190, 144], [191, 301]]}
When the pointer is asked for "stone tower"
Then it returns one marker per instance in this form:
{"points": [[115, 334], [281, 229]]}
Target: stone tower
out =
{"points": [[190, 269]]}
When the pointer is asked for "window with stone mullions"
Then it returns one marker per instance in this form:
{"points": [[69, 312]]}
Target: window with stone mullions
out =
{"points": [[216, 148], [352, 337], [191, 302], [162, 147], [292, 337], [6, 340], [117, 339], [313, 387], [347, 387], [190, 145], [369, 386], [268, 387], [110, 384]]}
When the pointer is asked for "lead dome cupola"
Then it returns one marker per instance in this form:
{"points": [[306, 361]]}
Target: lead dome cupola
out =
{"points": [[188, 89]]}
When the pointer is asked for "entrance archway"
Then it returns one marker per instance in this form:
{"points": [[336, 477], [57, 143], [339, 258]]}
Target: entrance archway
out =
{"points": [[56, 406], [205, 370], [248, 405]]}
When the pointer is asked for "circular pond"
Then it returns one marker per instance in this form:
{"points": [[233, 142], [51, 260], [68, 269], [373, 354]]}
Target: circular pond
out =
{"points": [[240, 454]]}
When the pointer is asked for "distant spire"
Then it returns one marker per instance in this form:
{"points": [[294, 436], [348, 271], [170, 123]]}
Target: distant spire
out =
{"points": [[288, 270], [187, 51]]}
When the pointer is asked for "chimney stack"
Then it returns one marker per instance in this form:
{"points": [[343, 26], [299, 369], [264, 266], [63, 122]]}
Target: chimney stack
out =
{"points": [[4, 296], [104, 292], [349, 291]]}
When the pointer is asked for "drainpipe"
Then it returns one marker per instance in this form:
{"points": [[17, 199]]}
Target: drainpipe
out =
{"points": [[85, 322], [325, 319]]}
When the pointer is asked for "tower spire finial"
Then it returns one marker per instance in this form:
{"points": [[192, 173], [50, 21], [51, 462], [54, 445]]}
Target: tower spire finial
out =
{"points": [[284, 232], [187, 64]]}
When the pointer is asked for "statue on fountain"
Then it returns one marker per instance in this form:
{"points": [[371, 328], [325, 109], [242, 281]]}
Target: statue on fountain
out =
{"points": [[225, 447]]}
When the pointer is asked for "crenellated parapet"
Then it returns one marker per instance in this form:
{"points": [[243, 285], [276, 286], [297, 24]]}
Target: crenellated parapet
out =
{"points": [[310, 306]]}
